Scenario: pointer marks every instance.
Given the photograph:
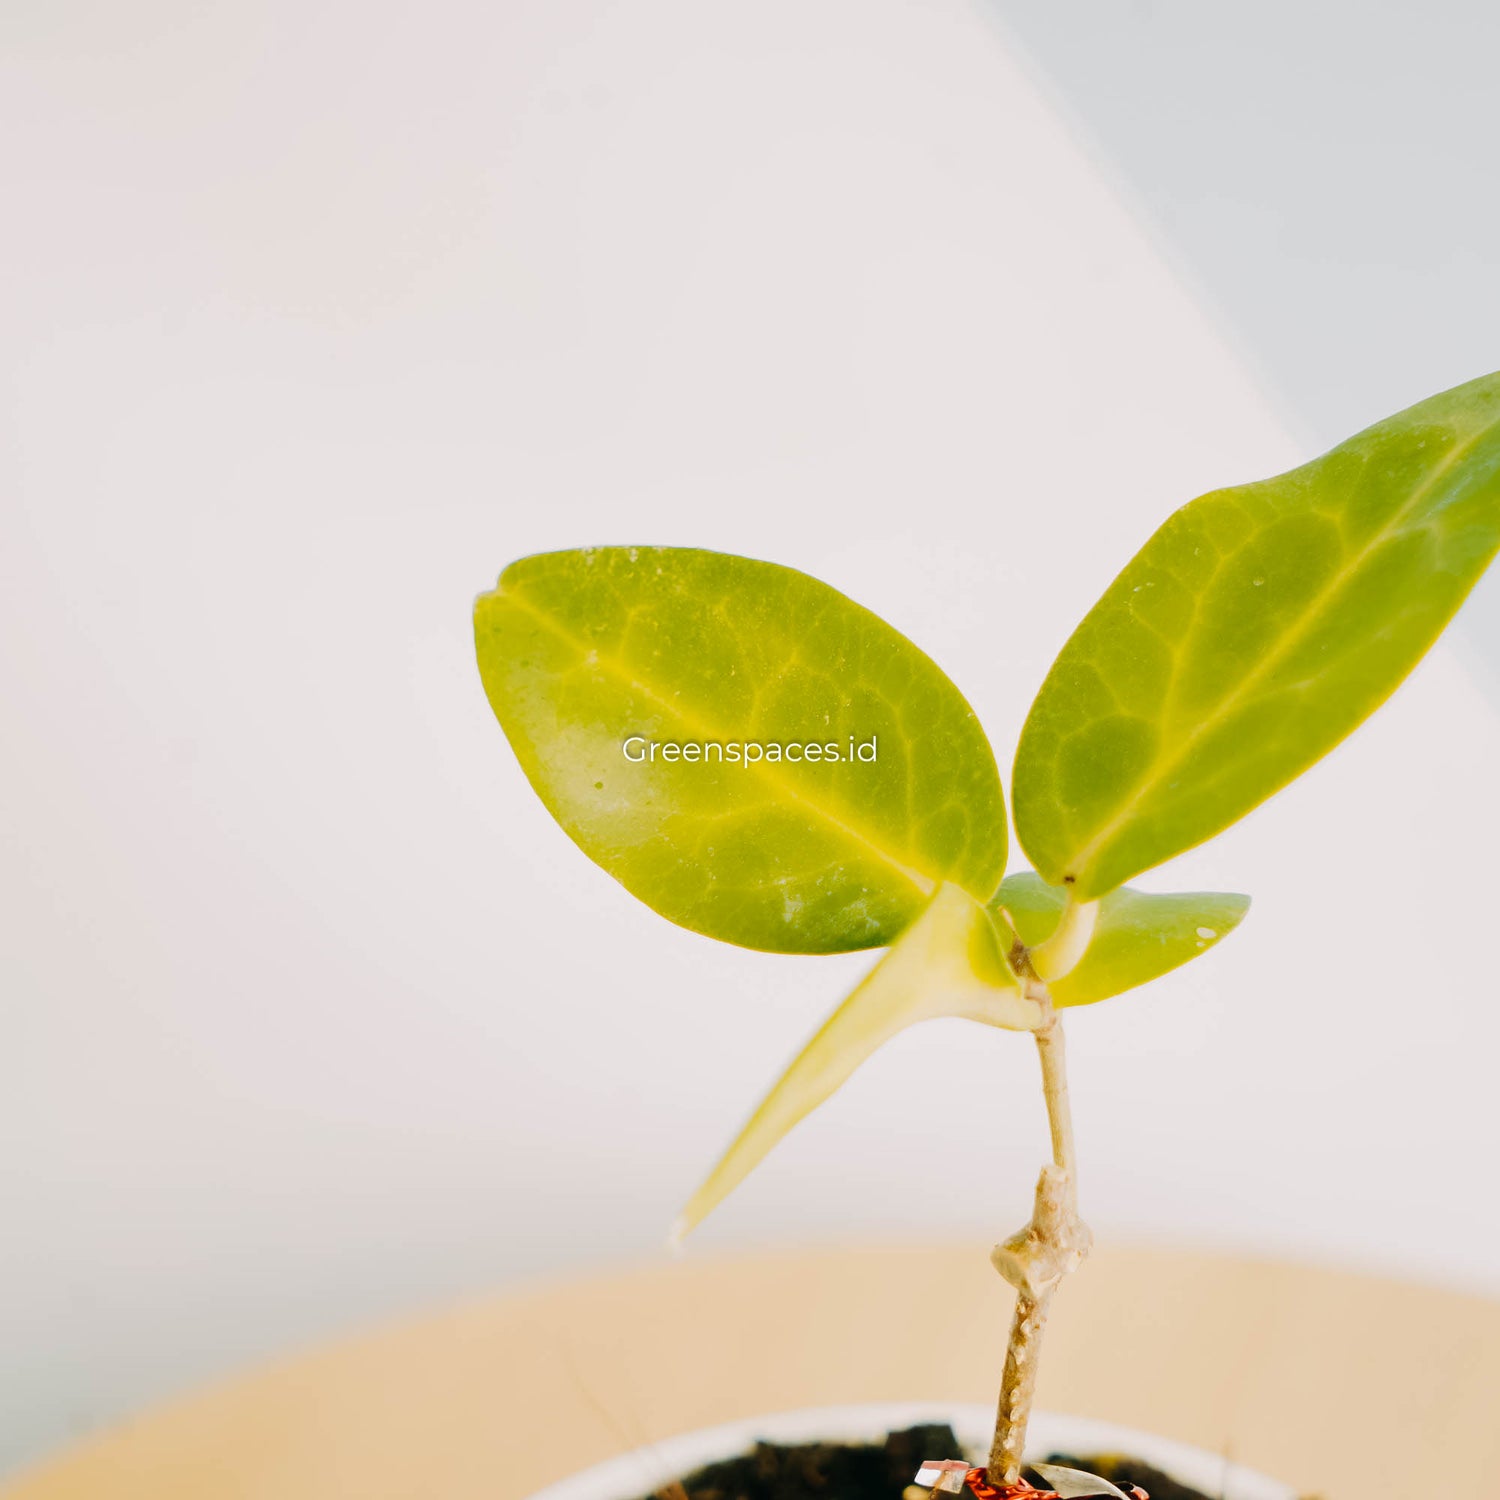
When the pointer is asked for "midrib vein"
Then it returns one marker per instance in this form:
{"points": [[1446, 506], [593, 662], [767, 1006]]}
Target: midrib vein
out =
{"points": [[702, 730], [1289, 643]]}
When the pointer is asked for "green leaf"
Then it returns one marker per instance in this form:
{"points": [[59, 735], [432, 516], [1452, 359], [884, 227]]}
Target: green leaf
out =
{"points": [[1254, 631], [1138, 935], [948, 963], [585, 654]]}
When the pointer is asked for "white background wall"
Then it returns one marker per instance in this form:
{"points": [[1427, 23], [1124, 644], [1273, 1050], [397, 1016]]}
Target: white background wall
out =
{"points": [[315, 314]]}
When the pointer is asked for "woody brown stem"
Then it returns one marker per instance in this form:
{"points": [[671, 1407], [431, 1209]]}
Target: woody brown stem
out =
{"points": [[1036, 1258], [1018, 1388]]}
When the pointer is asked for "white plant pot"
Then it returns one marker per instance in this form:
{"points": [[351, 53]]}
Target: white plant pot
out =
{"points": [[646, 1470]]}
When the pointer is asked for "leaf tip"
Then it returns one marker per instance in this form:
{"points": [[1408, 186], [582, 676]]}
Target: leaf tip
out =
{"points": [[696, 1210]]}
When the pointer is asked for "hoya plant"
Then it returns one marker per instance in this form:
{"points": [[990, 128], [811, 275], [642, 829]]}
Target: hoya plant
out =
{"points": [[760, 759]]}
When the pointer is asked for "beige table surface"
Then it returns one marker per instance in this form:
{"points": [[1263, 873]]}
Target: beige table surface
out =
{"points": [[1345, 1386]]}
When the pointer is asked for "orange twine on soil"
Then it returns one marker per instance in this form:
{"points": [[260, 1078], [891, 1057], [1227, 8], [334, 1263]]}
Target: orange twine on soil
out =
{"points": [[978, 1483]]}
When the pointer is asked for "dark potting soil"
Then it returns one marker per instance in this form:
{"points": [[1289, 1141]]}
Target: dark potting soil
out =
{"points": [[824, 1471], [882, 1471]]}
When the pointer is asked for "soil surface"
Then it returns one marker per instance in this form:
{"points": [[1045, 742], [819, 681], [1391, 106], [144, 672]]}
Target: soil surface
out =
{"points": [[881, 1471]]}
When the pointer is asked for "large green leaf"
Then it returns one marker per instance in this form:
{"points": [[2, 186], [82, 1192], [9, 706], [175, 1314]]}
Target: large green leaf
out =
{"points": [[948, 963], [1138, 935], [1250, 635], [582, 652]]}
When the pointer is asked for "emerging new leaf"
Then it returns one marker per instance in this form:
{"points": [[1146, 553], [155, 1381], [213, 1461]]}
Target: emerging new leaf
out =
{"points": [[1138, 935], [749, 752], [948, 963], [1255, 630]]}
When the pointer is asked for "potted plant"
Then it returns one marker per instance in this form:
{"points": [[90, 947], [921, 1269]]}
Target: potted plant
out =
{"points": [[761, 760]]}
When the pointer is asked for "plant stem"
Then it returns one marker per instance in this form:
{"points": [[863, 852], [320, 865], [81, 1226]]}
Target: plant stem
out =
{"points": [[1052, 1050], [1035, 1259], [1018, 1388]]}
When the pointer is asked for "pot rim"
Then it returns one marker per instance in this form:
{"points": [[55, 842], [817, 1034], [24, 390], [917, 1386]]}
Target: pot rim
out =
{"points": [[641, 1471]]}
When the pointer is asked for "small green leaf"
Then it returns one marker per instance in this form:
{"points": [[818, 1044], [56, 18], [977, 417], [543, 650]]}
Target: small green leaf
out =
{"points": [[591, 657], [1254, 631], [1138, 935], [948, 963]]}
